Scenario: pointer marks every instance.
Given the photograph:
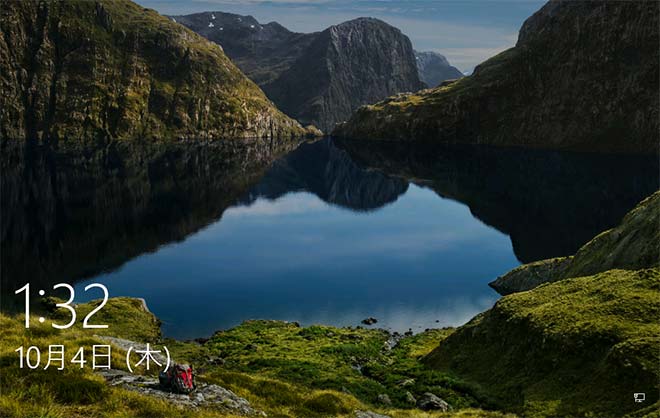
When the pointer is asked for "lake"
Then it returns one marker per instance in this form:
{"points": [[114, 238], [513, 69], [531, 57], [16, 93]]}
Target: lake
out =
{"points": [[329, 232]]}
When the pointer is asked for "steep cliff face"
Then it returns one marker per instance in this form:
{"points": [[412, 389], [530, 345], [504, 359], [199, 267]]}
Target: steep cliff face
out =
{"points": [[583, 75], [318, 78], [84, 69], [262, 52], [433, 68], [348, 65]]}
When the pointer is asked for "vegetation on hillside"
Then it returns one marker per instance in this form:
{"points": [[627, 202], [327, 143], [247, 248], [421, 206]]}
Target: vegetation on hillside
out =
{"points": [[575, 347], [583, 76], [281, 368], [112, 69], [632, 245]]}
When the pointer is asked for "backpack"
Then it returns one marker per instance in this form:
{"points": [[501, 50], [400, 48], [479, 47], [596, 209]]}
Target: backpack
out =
{"points": [[179, 379]]}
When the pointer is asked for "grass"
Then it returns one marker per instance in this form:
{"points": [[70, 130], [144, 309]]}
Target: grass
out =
{"points": [[279, 367], [570, 348], [576, 347], [349, 360], [75, 392]]}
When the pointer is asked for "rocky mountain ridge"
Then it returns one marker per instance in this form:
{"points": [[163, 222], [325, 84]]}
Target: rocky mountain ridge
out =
{"points": [[318, 78], [112, 69], [348, 65], [583, 75], [262, 51]]}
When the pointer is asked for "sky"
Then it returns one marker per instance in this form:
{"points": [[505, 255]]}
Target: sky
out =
{"points": [[466, 31]]}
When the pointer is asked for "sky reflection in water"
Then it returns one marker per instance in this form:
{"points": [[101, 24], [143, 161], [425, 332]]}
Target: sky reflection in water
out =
{"points": [[419, 262]]}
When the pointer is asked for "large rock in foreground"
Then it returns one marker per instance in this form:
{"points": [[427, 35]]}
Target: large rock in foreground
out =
{"points": [[583, 75], [632, 245], [112, 69]]}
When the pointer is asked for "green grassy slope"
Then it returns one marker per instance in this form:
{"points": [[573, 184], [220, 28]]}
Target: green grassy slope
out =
{"points": [[82, 69], [576, 347], [632, 245], [281, 368]]}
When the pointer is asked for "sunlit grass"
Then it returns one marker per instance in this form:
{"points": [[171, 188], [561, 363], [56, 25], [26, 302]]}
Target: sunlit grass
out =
{"points": [[293, 371]]}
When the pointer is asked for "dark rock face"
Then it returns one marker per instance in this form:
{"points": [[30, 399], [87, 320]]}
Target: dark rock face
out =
{"points": [[348, 65], [583, 75], [111, 69], [262, 52], [434, 68], [317, 78], [369, 321], [529, 276]]}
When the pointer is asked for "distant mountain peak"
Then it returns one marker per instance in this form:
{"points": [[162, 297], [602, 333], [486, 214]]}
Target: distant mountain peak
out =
{"points": [[434, 68], [318, 78], [348, 65]]}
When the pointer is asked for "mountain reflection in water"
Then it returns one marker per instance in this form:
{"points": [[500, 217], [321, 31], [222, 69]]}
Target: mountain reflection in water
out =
{"points": [[330, 232]]}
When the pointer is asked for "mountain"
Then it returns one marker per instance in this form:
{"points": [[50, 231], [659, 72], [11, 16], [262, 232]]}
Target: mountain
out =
{"points": [[112, 69], [262, 52], [318, 78], [347, 65], [583, 75], [434, 68]]}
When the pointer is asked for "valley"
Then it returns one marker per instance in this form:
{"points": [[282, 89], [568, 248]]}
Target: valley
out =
{"points": [[323, 215]]}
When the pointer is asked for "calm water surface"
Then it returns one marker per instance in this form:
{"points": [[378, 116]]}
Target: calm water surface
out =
{"points": [[331, 232], [421, 261]]}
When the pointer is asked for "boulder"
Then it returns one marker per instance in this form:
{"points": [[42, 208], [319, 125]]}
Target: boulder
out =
{"points": [[430, 402], [369, 321]]}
